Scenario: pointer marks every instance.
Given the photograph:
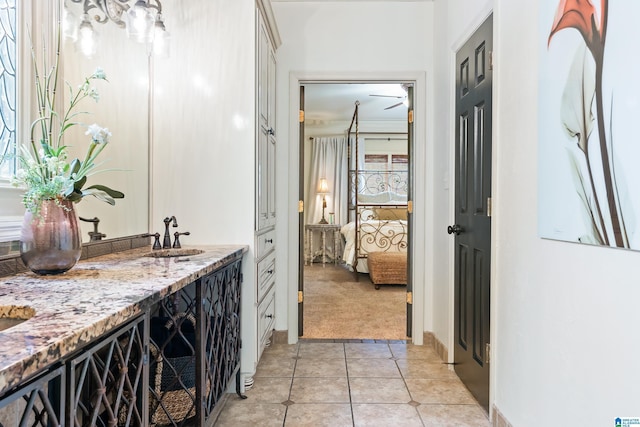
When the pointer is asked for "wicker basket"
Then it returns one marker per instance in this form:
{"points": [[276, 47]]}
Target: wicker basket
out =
{"points": [[388, 268], [172, 379]]}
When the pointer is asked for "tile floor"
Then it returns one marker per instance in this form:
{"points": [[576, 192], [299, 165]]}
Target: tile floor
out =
{"points": [[353, 384]]}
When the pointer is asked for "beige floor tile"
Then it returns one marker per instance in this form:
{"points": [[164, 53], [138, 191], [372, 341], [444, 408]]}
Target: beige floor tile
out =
{"points": [[320, 390], [443, 391], [270, 390], [318, 415], [367, 351], [242, 413], [376, 415], [321, 350], [378, 390], [419, 368], [453, 415], [290, 350], [275, 365], [410, 351], [380, 368], [312, 367]]}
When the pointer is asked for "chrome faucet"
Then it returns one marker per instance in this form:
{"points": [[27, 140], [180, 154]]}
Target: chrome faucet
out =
{"points": [[166, 242]]}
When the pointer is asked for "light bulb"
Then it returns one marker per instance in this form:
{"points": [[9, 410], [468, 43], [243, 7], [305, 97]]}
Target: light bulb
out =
{"points": [[160, 38], [87, 42], [140, 22], [69, 25]]}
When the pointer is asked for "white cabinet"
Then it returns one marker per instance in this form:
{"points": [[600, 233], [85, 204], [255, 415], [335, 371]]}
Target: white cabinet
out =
{"points": [[262, 316], [266, 134]]}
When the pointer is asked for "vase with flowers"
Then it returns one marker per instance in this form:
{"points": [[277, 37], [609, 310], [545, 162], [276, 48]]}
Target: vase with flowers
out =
{"points": [[50, 241]]}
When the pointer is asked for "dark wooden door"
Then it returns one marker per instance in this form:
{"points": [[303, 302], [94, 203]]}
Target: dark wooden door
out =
{"points": [[301, 218], [410, 150], [472, 228]]}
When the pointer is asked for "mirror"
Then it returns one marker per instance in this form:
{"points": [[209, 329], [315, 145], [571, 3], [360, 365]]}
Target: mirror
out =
{"points": [[123, 108]]}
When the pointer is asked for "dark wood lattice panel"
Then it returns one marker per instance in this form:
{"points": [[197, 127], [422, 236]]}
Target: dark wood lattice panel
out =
{"points": [[39, 403], [221, 326], [106, 381]]}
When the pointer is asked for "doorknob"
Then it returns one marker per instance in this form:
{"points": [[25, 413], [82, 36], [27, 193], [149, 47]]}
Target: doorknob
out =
{"points": [[455, 229]]}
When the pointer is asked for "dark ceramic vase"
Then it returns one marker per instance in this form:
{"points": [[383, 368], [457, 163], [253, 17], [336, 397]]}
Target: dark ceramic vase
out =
{"points": [[51, 242]]}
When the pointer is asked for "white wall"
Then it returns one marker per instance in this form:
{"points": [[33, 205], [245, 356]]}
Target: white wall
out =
{"points": [[564, 316], [335, 39], [204, 133]]}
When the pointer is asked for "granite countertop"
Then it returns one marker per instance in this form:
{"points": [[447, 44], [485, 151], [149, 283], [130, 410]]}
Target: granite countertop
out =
{"points": [[95, 296]]}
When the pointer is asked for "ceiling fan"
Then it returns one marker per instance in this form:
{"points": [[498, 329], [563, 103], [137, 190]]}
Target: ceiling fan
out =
{"points": [[402, 97]]}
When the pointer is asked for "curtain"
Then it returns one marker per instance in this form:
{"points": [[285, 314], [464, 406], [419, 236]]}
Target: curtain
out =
{"points": [[328, 161]]}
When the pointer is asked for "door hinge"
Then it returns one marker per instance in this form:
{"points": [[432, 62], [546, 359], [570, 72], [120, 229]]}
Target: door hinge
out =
{"points": [[487, 353], [488, 206], [300, 206], [490, 60], [301, 116], [410, 116], [410, 206], [300, 297], [409, 297]]}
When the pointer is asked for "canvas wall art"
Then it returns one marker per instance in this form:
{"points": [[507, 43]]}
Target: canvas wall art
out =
{"points": [[589, 122]]}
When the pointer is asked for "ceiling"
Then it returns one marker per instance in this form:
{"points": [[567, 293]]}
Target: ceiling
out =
{"points": [[329, 102]]}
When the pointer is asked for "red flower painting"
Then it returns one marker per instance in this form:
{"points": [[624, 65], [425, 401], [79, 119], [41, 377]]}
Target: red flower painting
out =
{"points": [[583, 110]]}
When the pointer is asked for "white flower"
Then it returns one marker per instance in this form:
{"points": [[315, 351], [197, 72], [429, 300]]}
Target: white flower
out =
{"points": [[99, 74], [98, 135], [93, 93]]}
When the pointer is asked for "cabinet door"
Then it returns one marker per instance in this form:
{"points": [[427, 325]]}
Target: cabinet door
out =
{"points": [[38, 403], [263, 72], [271, 90], [107, 380], [271, 181], [262, 177]]}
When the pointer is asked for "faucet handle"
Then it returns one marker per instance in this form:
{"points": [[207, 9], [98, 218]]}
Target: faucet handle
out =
{"points": [[156, 243], [176, 242]]}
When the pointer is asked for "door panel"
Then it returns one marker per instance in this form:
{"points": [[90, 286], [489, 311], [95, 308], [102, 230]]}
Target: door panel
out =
{"points": [[472, 229]]}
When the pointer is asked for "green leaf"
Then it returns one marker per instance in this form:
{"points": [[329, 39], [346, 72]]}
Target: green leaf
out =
{"points": [[113, 193], [80, 183], [75, 166], [100, 195]]}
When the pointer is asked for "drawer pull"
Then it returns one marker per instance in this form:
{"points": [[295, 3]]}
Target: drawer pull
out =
{"points": [[269, 316], [270, 271], [268, 240]]}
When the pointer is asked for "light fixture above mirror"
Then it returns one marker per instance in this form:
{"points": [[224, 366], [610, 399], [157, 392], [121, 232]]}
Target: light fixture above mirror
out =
{"points": [[142, 20]]}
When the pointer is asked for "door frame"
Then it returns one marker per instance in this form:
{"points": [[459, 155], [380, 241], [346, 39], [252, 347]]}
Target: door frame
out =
{"points": [[422, 213], [473, 26]]}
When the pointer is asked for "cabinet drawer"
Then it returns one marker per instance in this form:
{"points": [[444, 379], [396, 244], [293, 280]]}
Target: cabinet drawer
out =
{"points": [[266, 242], [266, 320], [266, 274]]}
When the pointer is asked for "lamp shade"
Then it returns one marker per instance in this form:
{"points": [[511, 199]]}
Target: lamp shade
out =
{"points": [[323, 187]]}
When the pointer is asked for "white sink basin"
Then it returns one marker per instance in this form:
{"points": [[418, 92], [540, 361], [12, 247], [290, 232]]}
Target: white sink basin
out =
{"points": [[167, 253]]}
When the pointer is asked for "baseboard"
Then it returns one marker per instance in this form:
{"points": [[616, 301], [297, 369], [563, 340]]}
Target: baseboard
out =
{"points": [[432, 341], [497, 419]]}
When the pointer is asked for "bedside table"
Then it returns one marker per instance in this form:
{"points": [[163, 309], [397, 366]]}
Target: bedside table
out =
{"points": [[310, 229]]}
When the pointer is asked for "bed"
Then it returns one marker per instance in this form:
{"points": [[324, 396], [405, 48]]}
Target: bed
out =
{"points": [[377, 202], [379, 224]]}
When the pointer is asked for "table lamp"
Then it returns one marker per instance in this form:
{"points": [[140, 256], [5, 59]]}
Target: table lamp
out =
{"points": [[323, 189]]}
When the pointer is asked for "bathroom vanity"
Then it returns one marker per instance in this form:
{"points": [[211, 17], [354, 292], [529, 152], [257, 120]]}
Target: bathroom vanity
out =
{"points": [[132, 338]]}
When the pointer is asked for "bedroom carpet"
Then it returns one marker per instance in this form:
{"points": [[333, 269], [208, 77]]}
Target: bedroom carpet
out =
{"points": [[336, 306]]}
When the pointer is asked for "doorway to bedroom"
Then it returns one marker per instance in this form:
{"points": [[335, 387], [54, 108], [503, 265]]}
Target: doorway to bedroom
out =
{"points": [[356, 144]]}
